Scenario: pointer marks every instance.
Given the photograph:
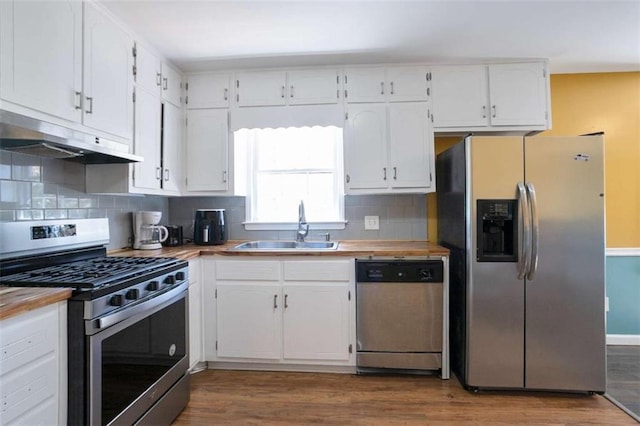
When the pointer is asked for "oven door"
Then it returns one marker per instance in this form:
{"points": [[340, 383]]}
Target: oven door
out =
{"points": [[134, 362]]}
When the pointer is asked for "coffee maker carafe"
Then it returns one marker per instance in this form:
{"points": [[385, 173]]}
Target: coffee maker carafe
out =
{"points": [[146, 232]]}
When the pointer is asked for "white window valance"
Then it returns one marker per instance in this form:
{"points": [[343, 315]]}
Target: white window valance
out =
{"points": [[287, 116]]}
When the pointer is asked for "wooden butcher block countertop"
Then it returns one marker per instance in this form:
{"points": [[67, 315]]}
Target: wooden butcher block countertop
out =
{"points": [[348, 248], [17, 300]]}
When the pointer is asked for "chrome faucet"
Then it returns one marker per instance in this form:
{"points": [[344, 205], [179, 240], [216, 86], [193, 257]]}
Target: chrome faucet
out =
{"points": [[303, 226]]}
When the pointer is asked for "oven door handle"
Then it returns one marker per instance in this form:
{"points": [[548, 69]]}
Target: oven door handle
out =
{"points": [[109, 320]]}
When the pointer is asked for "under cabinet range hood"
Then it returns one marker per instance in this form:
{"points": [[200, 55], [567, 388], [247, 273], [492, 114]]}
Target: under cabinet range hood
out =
{"points": [[27, 135]]}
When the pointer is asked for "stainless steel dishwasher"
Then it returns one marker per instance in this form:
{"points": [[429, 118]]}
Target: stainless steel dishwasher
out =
{"points": [[401, 320]]}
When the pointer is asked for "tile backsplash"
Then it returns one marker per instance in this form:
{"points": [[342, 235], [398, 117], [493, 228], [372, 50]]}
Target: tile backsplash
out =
{"points": [[402, 217], [35, 188]]}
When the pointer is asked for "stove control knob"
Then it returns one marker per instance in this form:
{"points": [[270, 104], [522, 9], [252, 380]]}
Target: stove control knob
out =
{"points": [[132, 294], [116, 300], [424, 274], [170, 279], [180, 276], [153, 286]]}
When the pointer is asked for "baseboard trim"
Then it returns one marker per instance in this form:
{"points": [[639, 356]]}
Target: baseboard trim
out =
{"points": [[623, 251], [623, 339]]}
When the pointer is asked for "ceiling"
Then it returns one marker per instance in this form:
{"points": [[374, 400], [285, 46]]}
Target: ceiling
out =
{"points": [[575, 35]]}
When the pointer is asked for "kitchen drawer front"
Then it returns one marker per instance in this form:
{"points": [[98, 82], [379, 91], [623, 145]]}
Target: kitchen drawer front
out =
{"points": [[318, 270], [25, 389], [248, 270], [26, 337]]}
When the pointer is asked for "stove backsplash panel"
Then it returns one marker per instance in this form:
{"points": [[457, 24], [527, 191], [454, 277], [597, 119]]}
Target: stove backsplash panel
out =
{"points": [[35, 188]]}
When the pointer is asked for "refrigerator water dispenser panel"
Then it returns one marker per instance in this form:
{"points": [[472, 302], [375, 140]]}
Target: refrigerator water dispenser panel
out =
{"points": [[497, 231]]}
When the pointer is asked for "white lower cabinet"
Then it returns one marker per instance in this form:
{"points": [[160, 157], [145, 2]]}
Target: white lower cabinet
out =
{"points": [[196, 350], [33, 371], [283, 311]]}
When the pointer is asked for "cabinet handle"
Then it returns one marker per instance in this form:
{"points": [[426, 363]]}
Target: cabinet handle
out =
{"points": [[224, 176], [282, 92], [395, 173], [428, 91], [166, 174], [291, 93], [158, 78], [484, 111], [382, 87], [275, 301], [78, 102], [226, 94], [89, 100], [392, 87], [494, 111], [286, 305], [165, 83], [348, 178], [158, 173], [384, 169]]}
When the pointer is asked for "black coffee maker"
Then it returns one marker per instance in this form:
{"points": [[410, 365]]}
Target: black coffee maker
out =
{"points": [[210, 227]]}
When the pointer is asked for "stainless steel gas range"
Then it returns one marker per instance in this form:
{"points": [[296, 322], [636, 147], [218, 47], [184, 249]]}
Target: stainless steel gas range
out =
{"points": [[127, 319]]}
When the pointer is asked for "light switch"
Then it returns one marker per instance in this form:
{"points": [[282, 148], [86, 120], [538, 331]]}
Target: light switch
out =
{"points": [[371, 223]]}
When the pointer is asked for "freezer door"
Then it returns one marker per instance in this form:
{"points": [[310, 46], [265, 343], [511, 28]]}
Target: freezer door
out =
{"points": [[565, 319], [495, 295]]}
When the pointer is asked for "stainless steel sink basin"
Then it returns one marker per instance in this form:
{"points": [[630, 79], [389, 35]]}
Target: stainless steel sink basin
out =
{"points": [[287, 245]]}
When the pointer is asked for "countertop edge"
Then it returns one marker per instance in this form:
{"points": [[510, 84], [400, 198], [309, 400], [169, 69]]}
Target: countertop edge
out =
{"points": [[15, 301]]}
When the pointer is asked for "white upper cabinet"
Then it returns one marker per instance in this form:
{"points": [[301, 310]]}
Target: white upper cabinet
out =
{"points": [[388, 148], [208, 91], [408, 84], [147, 70], [394, 84], [364, 85], [261, 88], [460, 96], [518, 94], [108, 76], [171, 84], [206, 164], [319, 86], [146, 140], [41, 56], [365, 142], [172, 148], [498, 97], [411, 160]]}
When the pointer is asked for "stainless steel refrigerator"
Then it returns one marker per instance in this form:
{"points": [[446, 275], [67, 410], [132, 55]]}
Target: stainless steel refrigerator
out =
{"points": [[524, 220]]}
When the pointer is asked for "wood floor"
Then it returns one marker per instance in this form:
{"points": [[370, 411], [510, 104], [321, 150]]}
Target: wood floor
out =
{"points": [[242, 397]]}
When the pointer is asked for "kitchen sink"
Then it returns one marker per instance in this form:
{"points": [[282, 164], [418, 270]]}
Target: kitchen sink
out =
{"points": [[287, 245]]}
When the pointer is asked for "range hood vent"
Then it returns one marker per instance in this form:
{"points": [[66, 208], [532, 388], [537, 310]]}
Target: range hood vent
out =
{"points": [[35, 137]]}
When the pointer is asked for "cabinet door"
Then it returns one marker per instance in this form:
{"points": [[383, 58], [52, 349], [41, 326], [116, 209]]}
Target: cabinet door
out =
{"points": [[208, 91], [410, 146], [316, 321], [261, 88], [459, 96], [108, 77], [148, 75], [207, 146], [366, 147], [518, 94], [146, 141], [313, 87], [171, 147], [171, 84], [364, 85], [249, 320], [41, 56], [407, 84]]}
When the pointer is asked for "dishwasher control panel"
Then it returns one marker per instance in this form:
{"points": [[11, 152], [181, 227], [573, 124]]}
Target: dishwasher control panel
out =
{"points": [[399, 271]]}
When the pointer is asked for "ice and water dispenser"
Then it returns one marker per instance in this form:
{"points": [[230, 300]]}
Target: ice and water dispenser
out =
{"points": [[497, 226]]}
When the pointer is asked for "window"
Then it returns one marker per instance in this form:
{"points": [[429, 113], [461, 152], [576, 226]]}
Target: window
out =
{"points": [[281, 167]]}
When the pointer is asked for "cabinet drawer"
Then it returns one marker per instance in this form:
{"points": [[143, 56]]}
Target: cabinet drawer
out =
{"points": [[250, 270], [26, 337], [318, 270], [28, 388]]}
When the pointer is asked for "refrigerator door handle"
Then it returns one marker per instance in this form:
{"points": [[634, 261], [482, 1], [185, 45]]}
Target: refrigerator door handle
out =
{"points": [[524, 231], [533, 206]]}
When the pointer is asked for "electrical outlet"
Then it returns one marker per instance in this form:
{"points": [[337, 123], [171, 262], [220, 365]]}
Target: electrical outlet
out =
{"points": [[371, 223]]}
